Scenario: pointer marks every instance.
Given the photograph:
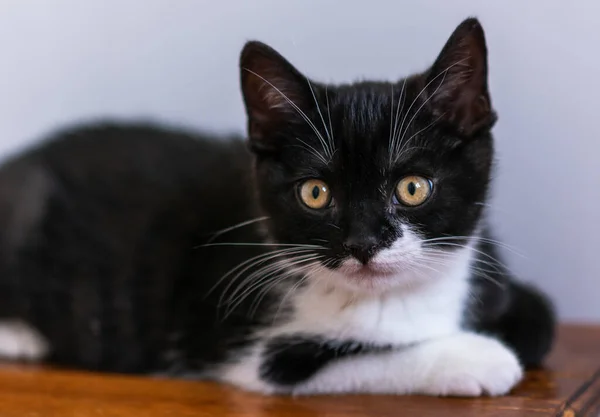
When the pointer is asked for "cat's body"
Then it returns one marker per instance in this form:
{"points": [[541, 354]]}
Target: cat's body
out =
{"points": [[140, 249], [109, 252]]}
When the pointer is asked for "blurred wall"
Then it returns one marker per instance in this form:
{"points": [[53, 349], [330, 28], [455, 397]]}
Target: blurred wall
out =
{"points": [[176, 61]]}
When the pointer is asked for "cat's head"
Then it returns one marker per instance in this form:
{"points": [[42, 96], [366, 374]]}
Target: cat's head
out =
{"points": [[382, 181]]}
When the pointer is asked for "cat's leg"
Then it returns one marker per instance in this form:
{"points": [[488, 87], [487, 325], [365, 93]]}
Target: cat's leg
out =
{"points": [[24, 192], [518, 314], [464, 364], [19, 341], [526, 323]]}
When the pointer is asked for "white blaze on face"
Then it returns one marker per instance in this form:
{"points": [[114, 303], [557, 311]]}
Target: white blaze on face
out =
{"points": [[407, 263]]}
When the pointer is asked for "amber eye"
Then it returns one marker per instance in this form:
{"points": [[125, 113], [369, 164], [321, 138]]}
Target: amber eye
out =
{"points": [[315, 194], [413, 190]]}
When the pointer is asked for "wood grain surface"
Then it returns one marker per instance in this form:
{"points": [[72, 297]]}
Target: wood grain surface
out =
{"points": [[30, 391]]}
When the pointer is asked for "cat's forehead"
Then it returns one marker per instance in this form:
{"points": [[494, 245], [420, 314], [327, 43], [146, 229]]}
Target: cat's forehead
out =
{"points": [[369, 115], [365, 108], [365, 130], [360, 123], [363, 97]]}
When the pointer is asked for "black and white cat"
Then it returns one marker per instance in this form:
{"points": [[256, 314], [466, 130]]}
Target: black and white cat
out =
{"points": [[344, 250]]}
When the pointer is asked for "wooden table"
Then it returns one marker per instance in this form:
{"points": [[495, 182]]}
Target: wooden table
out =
{"points": [[27, 391]]}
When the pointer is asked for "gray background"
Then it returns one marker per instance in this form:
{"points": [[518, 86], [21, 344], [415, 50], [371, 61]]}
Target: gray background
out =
{"points": [[175, 61]]}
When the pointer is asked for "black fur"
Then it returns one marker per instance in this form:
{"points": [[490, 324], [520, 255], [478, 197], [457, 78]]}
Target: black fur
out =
{"points": [[110, 234], [515, 312], [289, 360], [110, 271]]}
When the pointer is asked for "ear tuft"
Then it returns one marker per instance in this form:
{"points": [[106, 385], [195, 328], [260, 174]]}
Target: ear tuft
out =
{"points": [[457, 81]]}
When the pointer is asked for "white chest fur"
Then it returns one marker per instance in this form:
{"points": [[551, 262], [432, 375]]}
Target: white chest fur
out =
{"points": [[400, 316]]}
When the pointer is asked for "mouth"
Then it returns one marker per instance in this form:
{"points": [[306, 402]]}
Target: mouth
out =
{"points": [[355, 269], [372, 277]]}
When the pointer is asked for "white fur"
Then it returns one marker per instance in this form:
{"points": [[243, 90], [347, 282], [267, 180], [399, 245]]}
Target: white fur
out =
{"points": [[412, 306], [245, 372], [19, 341], [464, 364], [417, 310]]}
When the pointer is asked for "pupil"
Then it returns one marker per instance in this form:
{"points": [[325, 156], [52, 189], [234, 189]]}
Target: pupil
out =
{"points": [[412, 188], [315, 192]]}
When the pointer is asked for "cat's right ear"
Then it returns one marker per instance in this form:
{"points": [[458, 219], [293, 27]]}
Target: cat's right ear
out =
{"points": [[275, 93], [457, 81]]}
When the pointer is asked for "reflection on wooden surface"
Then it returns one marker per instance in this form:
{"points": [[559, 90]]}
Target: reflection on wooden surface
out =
{"points": [[38, 392], [584, 401]]}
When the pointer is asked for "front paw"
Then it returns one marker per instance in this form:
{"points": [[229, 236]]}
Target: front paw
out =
{"points": [[470, 365]]}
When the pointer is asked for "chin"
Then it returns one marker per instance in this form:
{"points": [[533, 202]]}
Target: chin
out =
{"points": [[375, 278]]}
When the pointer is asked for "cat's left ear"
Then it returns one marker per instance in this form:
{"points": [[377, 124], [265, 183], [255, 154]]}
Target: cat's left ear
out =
{"points": [[457, 82], [275, 94]]}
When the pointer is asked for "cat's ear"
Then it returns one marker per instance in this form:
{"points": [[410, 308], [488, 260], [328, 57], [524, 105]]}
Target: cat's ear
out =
{"points": [[274, 92], [457, 82]]}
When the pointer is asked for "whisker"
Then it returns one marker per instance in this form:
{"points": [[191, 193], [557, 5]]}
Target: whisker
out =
{"points": [[256, 259], [503, 245], [402, 99], [267, 288], [391, 122], [496, 267], [444, 73], [473, 249], [274, 282], [481, 272], [266, 283], [268, 269], [419, 266], [247, 283], [257, 262], [232, 308], [310, 271], [422, 105], [402, 151], [320, 240], [312, 150], [329, 115], [488, 278], [258, 244], [236, 226], [235, 302], [321, 116], [300, 112], [288, 294]]}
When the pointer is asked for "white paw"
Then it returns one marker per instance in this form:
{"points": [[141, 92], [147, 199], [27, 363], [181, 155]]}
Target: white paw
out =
{"points": [[470, 365], [20, 341]]}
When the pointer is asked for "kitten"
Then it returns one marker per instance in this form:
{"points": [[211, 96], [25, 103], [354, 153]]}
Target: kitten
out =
{"points": [[342, 249]]}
